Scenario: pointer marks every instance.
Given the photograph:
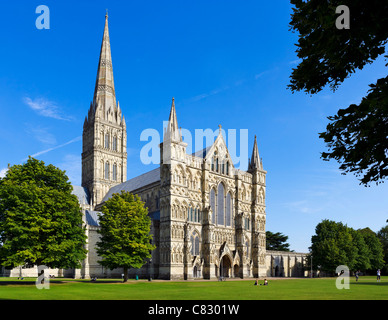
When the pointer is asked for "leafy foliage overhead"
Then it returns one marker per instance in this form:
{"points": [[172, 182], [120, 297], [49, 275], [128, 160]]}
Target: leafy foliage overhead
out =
{"points": [[329, 55], [358, 136]]}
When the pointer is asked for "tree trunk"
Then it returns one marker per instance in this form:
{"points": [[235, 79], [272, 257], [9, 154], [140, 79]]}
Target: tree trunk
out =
{"points": [[125, 274]]}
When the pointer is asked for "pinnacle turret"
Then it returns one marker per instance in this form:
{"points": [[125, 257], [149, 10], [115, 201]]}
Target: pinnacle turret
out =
{"points": [[172, 131], [255, 162]]}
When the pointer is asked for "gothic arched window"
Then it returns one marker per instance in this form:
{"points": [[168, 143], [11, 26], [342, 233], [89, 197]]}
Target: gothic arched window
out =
{"points": [[107, 140], [220, 204], [107, 170], [194, 239], [196, 246], [228, 211], [114, 172], [213, 204], [114, 144]]}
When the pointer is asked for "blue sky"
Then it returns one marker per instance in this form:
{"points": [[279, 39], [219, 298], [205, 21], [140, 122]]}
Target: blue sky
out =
{"points": [[225, 62]]}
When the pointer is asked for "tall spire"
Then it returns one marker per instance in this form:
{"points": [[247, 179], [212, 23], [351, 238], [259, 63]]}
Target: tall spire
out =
{"points": [[255, 162], [104, 91], [172, 132]]}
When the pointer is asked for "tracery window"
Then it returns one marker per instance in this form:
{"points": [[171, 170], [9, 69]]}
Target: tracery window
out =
{"points": [[228, 211], [213, 204], [114, 172], [194, 239], [114, 144], [107, 170], [107, 141], [220, 205], [247, 247]]}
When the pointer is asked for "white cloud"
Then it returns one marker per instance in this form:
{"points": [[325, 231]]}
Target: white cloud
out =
{"points": [[297, 61], [45, 108], [303, 206], [3, 172], [265, 72], [257, 76], [211, 93], [42, 135], [54, 148]]}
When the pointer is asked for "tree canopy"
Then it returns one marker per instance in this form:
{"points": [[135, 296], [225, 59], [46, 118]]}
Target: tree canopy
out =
{"points": [[40, 219], [125, 240], [357, 135], [336, 244], [382, 234], [277, 241], [330, 55]]}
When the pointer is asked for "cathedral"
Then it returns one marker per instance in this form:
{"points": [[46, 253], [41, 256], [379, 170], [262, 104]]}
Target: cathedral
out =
{"points": [[207, 217]]}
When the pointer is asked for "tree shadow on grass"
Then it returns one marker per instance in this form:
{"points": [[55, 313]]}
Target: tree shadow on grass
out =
{"points": [[371, 283], [17, 283], [58, 281]]}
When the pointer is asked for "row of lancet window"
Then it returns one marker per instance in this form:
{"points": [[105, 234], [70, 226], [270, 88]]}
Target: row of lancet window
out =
{"points": [[108, 144], [222, 206], [194, 239], [220, 166], [194, 214], [107, 173]]}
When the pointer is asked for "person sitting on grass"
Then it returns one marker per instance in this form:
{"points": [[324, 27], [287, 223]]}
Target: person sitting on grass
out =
{"points": [[265, 283]]}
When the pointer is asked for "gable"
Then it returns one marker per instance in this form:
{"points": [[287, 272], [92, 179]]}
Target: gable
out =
{"points": [[219, 150]]}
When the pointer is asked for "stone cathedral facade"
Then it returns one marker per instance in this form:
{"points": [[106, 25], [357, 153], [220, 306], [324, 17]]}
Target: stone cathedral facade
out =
{"points": [[208, 218]]}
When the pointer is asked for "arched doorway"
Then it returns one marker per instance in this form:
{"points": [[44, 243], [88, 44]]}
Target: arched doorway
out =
{"points": [[196, 271], [236, 270], [225, 267]]}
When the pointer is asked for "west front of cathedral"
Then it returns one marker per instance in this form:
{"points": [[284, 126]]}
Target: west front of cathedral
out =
{"points": [[207, 218]]}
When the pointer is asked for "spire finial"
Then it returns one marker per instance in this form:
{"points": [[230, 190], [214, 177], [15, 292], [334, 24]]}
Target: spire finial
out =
{"points": [[254, 162], [172, 129], [104, 87]]}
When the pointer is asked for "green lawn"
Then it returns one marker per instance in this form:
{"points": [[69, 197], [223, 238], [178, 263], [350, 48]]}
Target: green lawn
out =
{"points": [[285, 289]]}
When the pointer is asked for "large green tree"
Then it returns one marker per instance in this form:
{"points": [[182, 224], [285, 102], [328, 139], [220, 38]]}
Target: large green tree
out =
{"points": [[336, 244], [40, 218], [357, 135], [277, 241], [364, 253], [332, 246], [125, 240], [375, 247], [382, 235]]}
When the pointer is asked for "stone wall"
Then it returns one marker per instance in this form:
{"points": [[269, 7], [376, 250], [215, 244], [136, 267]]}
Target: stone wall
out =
{"points": [[286, 264]]}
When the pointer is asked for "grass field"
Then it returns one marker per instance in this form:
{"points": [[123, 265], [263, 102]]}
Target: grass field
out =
{"points": [[278, 289]]}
